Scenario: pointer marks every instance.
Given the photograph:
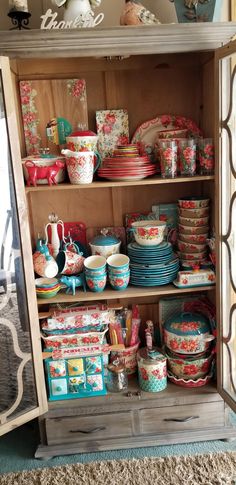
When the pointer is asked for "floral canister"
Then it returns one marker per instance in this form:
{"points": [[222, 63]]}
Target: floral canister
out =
{"points": [[187, 333], [105, 244], [152, 373]]}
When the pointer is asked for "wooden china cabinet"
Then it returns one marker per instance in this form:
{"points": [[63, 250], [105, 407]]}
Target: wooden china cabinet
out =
{"points": [[182, 69]]}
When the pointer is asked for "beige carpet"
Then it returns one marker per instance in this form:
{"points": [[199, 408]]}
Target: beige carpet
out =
{"points": [[208, 469]]}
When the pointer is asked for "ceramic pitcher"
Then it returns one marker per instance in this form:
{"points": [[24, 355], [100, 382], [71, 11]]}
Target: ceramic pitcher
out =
{"points": [[80, 166]]}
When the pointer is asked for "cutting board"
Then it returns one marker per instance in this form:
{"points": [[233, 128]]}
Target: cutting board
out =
{"points": [[42, 100]]}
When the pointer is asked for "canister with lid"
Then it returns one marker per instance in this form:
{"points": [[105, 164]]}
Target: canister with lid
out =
{"points": [[117, 380], [152, 373], [105, 244]]}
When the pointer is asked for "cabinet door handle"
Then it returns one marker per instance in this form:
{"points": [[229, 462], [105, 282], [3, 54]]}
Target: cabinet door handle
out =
{"points": [[182, 420], [89, 431]]}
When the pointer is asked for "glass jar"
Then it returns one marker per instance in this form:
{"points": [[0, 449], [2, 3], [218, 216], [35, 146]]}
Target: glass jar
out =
{"points": [[117, 379]]}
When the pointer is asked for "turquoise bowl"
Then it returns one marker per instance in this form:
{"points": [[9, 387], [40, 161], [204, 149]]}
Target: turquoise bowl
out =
{"points": [[119, 282], [95, 263], [96, 283]]}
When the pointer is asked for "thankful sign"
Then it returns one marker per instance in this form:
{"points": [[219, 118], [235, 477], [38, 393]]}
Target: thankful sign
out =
{"points": [[86, 19]]}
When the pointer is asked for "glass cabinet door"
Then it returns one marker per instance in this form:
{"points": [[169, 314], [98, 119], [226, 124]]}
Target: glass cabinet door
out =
{"points": [[22, 389], [226, 222]]}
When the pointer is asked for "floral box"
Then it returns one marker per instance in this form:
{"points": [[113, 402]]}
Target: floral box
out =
{"points": [[199, 277], [75, 378], [73, 340], [80, 318]]}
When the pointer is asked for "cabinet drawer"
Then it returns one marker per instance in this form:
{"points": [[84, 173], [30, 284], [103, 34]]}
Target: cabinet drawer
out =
{"points": [[180, 418], [85, 428]]}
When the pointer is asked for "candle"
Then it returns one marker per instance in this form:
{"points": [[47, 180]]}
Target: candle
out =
{"points": [[19, 5]]}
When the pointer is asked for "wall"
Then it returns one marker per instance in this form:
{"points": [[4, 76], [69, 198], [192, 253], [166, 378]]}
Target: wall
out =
{"points": [[164, 9]]}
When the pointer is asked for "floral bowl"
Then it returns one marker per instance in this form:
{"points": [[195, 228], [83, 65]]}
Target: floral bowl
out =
{"points": [[191, 367], [197, 222], [193, 202], [96, 283], [148, 232], [192, 256], [119, 282], [192, 230], [191, 247], [194, 238], [193, 213]]}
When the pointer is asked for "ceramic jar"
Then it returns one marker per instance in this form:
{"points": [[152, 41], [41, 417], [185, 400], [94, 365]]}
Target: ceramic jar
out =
{"points": [[187, 333], [152, 373], [117, 379], [105, 245]]}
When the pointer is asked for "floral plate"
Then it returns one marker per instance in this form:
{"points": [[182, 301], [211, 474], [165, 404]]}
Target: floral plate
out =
{"points": [[146, 134]]}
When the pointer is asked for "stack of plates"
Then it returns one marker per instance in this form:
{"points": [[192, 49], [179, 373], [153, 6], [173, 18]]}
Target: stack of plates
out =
{"points": [[152, 266], [126, 164]]}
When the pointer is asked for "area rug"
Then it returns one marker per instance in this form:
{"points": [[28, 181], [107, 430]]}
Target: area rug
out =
{"points": [[207, 469]]}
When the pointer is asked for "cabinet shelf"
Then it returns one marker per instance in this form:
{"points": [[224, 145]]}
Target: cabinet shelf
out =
{"points": [[117, 41], [130, 292], [100, 184]]}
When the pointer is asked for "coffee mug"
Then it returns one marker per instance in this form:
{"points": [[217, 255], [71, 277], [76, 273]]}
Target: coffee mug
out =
{"points": [[70, 262], [44, 265], [80, 166]]}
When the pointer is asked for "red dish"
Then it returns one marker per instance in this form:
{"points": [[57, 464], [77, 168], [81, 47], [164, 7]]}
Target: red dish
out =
{"points": [[202, 381]]}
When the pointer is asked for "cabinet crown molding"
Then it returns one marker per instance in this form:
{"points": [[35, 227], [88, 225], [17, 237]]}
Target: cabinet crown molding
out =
{"points": [[117, 41]]}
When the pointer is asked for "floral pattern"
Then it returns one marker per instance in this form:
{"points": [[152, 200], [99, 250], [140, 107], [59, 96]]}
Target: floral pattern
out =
{"points": [[188, 344], [187, 160], [80, 168], [168, 159], [146, 133], [194, 368], [30, 117], [206, 158], [112, 130], [77, 88]]}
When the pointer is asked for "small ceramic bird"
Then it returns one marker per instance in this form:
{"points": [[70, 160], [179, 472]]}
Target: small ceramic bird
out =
{"points": [[135, 13]]}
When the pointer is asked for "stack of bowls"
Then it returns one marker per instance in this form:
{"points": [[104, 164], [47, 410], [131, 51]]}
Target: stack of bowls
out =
{"points": [[118, 271], [47, 287], [193, 230], [95, 273]]}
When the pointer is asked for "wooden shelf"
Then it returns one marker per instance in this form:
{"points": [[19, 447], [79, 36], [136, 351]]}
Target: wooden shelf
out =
{"points": [[130, 292], [117, 41], [101, 184]]}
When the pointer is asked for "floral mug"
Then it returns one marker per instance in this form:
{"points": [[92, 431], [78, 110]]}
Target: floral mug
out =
{"points": [[80, 166]]}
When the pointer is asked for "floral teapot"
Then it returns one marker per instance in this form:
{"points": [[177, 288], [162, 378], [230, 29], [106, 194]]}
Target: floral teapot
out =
{"points": [[78, 8]]}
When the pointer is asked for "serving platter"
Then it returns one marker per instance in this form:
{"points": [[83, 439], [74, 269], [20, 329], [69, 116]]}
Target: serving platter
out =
{"points": [[146, 134]]}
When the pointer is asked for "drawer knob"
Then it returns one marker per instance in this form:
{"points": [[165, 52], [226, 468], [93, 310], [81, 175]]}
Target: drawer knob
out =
{"points": [[182, 420], [88, 431]]}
